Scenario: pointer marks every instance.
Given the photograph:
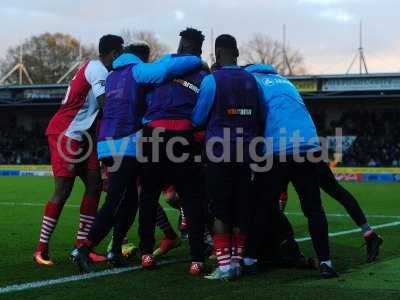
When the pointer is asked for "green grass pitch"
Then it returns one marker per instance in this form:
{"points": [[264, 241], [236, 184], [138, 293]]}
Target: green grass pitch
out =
{"points": [[21, 206]]}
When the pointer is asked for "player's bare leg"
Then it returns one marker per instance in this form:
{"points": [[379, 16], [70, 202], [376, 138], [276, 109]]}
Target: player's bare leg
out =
{"points": [[62, 190]]}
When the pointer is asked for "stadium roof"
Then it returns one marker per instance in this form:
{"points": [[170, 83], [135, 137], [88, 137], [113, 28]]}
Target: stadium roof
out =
{"points": [[312, 87], [345, 76]]}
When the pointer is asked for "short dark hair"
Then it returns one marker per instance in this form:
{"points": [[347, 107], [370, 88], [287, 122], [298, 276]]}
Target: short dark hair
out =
{"points": [[228, 42], [109, 43], [192, 35], [140, 49]]}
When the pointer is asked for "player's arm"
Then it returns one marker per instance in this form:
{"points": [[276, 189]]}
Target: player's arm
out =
{"points": [[96, 74], [165, 68], [205, 101]]}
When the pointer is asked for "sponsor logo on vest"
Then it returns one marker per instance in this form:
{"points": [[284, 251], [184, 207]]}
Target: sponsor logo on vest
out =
{"points": [[239, 111], [275, 80], [188, 85]]}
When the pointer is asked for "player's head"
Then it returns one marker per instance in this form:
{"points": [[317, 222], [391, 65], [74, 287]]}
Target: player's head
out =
{"points": [[110, 47], [226, 50], [140, 49], [191, 42]]}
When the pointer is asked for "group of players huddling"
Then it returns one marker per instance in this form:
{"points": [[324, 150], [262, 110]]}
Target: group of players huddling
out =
{"points": [[129, 115]]}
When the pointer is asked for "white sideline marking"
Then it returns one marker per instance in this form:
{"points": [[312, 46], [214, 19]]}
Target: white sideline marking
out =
{"points": [[173, 209], [345, 215], [345, 232], [73, 278]]}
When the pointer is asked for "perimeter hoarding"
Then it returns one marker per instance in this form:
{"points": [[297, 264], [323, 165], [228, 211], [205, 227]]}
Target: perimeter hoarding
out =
{"points": [[361, 84], [341, 174], [367, 174], [306, 85]]}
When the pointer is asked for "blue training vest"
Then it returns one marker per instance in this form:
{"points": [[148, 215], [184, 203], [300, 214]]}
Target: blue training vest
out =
{"points": [[237, 104], [175, 99], [124, 106]]}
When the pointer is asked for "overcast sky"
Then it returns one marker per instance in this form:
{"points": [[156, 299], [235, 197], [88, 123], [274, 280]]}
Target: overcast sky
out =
{"points": [[325, 31]]}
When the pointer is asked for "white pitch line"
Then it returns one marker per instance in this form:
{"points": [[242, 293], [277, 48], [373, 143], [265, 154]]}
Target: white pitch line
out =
{"points": [[61, 280], [73, 278], [345, 215], [345, 232], [339, 215]]}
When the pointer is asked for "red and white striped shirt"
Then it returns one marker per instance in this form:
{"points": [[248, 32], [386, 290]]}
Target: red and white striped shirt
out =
{"points": [[79, 108]]}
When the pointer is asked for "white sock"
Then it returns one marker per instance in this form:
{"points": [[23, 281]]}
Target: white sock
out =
{"points": [[225, 268], [249, 261], [327, 262]]}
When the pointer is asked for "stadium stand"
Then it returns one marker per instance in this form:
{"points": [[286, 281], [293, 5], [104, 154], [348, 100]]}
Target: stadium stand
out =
{"points": [[377, 131], [21, 146], [365, 107]]}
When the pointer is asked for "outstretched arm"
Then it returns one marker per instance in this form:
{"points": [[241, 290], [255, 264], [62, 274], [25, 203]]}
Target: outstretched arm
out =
{"points": [[167, 67]]}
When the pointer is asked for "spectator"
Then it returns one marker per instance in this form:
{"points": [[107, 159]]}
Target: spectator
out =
{"points": [[377, 131], [21, 146], [377, 143]]}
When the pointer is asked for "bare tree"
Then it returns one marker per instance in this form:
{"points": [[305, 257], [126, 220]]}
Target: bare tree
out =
{"points": [[157, 48], [262, 49], [47, 57]]}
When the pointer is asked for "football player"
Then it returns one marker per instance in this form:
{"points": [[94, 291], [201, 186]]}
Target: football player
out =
{"points": [[71, 137]]}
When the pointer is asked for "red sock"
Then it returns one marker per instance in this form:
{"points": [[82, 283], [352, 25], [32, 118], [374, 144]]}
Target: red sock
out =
{"points": [[369, 233], [222, 246], [88, 213], [50, 217], [238, 244]]}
